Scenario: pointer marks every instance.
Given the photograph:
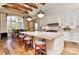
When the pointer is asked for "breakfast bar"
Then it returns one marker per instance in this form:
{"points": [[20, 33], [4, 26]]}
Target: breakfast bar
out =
{"points": [[54, 41]]}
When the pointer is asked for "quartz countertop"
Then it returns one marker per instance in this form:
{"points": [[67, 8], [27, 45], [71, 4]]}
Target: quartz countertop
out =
{"points": [[46, 35]]}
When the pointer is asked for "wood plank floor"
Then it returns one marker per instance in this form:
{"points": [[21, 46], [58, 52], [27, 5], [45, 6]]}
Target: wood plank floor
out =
{"points": [[15, 50], [69, 49]]}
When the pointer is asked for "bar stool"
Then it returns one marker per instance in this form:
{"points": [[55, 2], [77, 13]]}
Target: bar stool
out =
{"points": [[40, 48], [21, 39], [14, 35], [28, 43]]}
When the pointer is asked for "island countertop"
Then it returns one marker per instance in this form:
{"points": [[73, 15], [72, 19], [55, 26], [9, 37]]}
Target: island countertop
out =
{"points": [[45, 35]]}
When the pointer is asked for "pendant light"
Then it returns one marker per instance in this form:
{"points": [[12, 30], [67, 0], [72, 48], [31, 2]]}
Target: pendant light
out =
{"points": [[29, 18], [40, 14]]}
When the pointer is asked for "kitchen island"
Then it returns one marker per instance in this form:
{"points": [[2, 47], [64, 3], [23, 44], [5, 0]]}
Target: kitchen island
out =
{"points": [[54, 41]]}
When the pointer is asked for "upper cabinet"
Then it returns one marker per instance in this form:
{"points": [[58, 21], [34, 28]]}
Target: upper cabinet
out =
{"points": [[69, 19]]}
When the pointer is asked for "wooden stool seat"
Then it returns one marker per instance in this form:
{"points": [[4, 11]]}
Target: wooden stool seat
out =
{"points": [[21, 36], [28, 43], [21, 40], [27, 38], [40, 48], [14, 35]]}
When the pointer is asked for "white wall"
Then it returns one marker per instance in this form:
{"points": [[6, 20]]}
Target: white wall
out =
{"points": [[65, 19], [3, 23], [0, 23], [48, 19]]}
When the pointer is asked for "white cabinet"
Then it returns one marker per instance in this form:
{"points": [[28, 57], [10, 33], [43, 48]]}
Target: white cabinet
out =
{"points": [[67, 36], [71, 37]]}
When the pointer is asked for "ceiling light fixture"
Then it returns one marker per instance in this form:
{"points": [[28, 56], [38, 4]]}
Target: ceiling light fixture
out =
{"points": [[29, 18], [40, 14]]}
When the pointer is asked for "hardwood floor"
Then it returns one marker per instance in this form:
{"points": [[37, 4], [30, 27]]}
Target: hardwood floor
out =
{"points": [[15, 50], [69, 49]]}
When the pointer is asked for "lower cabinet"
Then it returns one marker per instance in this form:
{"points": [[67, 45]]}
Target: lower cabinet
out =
{"points": [[71, 37]]}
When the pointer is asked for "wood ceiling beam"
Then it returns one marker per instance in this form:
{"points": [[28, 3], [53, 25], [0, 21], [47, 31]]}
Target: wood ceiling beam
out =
{"points": [[31, 5], [12, 7], [7, 6], [22, 6]]}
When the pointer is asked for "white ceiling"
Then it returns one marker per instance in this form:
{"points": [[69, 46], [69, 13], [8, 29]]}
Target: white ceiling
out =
{"points": [[61, 7], [54, 8]]}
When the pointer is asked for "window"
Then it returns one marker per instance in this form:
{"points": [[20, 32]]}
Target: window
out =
{"points": [[14, 22]]}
